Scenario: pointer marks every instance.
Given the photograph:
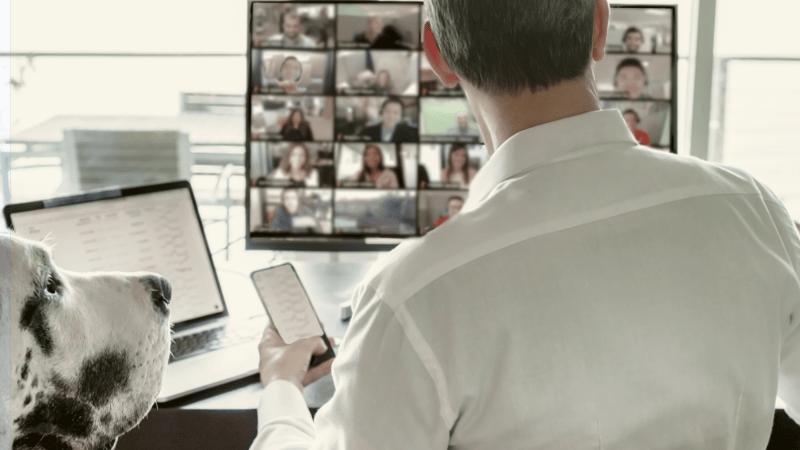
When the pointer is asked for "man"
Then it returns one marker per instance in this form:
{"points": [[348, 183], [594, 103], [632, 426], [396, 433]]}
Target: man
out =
{"points": [[292, 36], [589, 295], [633, 40], [632, 120], [462, 128], [391, 129], [454, 205]]}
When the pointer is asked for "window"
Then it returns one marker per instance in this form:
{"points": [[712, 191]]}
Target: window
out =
{"points": [[148, 65], [756, 107]]}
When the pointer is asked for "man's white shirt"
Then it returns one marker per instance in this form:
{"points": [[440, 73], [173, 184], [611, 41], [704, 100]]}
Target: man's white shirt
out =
{"points": [[592, 293]]}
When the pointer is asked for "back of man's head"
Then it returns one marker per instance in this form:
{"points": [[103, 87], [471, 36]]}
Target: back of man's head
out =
{"points": [[507, 46]]}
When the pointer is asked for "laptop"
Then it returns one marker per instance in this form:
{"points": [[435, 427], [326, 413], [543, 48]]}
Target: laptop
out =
{"points": [[153, 228]]}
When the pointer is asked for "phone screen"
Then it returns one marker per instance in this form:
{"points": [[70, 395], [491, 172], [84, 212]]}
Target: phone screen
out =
{"points": [[287, 303]]}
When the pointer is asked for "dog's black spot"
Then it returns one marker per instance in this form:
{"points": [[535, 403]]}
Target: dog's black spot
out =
{"points": [[58, 414], [60, 383], [103, 376], [34, 319], [35, 381], [105, 419], [32, 441], [25, 367], [27, 400]]}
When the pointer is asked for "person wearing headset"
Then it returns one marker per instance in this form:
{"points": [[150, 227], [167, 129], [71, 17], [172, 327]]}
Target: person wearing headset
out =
{"points": [[391, 128], [633, 40], [289, 74], [630, 79]]}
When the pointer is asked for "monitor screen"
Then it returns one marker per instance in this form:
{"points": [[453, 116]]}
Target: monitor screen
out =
{"points": [[353, 143], [637, 75], [157, 232]]}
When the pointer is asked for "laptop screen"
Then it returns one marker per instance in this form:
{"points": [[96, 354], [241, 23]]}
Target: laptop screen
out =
{"points": [[153, 232]]}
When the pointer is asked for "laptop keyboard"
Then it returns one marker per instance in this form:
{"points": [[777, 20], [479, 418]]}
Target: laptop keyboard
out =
{"points": [[214, 339]]}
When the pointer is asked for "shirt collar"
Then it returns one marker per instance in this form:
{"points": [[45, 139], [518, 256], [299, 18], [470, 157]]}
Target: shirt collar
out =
{"points": [[548, 142]]}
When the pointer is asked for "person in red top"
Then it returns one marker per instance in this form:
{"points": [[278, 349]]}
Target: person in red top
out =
{"points": [[632, 119], [454, 205]]}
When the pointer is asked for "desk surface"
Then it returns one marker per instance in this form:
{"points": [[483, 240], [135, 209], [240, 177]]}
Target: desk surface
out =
{"points": [[327, 284]]}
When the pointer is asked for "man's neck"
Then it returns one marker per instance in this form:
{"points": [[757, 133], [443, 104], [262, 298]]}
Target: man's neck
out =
{"points": [[501, 117]]}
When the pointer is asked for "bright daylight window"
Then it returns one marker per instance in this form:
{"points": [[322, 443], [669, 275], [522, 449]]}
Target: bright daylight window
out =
{"points": [[147, 65], [757, 92]]}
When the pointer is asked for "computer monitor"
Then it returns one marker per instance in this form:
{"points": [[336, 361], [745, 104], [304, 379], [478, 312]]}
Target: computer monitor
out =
{"points": [[354, 144], [638, 74]]}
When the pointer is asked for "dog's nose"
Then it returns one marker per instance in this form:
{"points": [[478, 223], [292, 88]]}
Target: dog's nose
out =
{"points": [[160, 292]]}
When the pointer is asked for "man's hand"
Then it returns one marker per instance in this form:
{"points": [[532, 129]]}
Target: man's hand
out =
{"points": [[281, 361]]}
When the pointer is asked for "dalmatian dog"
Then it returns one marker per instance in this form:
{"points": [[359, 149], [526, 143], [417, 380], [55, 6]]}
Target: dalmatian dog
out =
{"points": [[87, 350]]}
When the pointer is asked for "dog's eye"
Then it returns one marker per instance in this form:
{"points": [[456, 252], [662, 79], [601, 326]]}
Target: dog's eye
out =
{"points": [[52, 285]]}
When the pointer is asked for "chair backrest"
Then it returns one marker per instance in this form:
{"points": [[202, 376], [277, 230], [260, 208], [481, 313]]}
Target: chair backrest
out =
{"points": [[101, 158]]}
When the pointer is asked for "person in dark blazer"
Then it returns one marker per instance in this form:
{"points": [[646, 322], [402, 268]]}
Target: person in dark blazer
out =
{"points": [[296, 128], [391, 129]]}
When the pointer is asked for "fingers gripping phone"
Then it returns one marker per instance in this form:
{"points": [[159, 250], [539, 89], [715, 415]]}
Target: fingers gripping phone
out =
{"points": [[289, 307]]}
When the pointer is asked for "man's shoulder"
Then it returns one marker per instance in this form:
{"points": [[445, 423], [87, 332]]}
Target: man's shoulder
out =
{"points": [[736, 180], [411, 266]]}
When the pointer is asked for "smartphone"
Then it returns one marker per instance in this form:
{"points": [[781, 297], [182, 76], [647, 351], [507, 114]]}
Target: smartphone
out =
{"points": [[289, 307]]}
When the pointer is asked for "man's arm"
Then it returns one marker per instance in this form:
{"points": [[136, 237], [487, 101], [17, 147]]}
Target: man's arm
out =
{"points": [[789, 372], [385, 395]]}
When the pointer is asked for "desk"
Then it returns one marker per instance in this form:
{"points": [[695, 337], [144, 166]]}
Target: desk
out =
{"points": [[328, 284]]}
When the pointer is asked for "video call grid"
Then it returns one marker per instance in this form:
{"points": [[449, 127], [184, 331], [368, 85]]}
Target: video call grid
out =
{"points": [[332, 53]]}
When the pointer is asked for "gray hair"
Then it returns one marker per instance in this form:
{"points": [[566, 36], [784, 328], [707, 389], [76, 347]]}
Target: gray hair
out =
{"points": [[506, 46]]}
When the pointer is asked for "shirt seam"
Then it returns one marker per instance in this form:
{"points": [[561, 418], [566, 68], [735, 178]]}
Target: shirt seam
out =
{"points": [[427, 358], [375, 283]]}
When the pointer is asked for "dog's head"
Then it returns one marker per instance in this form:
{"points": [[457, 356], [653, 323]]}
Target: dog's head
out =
{"points": [[88, 350]]}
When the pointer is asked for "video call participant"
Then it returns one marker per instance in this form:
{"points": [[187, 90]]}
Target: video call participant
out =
{"points": [[630, 79], [633, 40], [373, 171], [632, 119], [379, 36], [292, 215], [296, 168], [292, 36], [454, 205], [462, 128], [296, 127], [383, 83], [457, 169], [589, 294], [289, 74], [391, 129]]}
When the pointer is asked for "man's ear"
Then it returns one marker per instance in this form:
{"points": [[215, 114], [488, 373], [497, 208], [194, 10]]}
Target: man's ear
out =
{"points": [[440, 67], [600, 31]]}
